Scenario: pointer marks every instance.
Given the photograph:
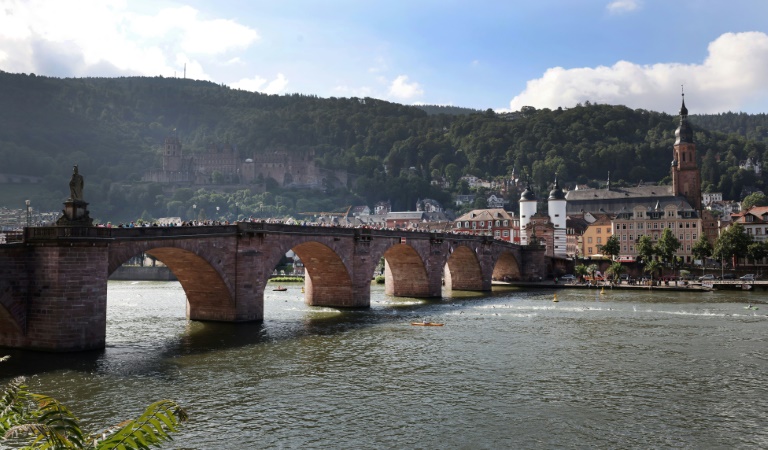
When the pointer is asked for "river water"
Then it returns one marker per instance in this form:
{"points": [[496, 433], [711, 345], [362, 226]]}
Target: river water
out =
{"points": [[511, 369]]}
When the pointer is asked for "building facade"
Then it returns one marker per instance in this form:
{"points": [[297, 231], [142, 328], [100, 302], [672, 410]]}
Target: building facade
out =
{"points": [[495, 222]]}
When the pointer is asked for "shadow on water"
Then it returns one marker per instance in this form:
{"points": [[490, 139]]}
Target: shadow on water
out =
{"points": [[23, 363], [153, 356]]}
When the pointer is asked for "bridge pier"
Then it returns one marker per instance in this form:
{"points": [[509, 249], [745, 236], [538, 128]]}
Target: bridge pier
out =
{"points": [[66, 298]]}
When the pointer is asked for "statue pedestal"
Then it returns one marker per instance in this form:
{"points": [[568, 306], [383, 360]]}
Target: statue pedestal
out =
{"points": [[75, 214]]}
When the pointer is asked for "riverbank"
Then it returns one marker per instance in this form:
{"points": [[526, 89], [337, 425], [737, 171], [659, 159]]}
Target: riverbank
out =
{"points": [[632, 287]]}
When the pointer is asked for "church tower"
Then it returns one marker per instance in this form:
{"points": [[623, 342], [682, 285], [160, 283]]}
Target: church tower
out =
{"points": [[686, 180]]}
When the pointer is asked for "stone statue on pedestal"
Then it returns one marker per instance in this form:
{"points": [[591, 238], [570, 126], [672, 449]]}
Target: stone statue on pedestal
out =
{"points": [[76, 186], [75, 208]]}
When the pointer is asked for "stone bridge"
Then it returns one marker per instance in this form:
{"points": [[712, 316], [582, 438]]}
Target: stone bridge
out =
{"points": [[53, 284]]}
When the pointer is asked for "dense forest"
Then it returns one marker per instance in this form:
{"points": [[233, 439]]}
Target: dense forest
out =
{"points": [[113, 128]]}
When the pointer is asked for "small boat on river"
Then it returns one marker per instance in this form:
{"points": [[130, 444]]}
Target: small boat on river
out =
{"points": [[427, 324], [280, 288]]}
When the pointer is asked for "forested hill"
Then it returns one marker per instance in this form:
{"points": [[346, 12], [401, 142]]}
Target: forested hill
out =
{"points": [[113, 128]]}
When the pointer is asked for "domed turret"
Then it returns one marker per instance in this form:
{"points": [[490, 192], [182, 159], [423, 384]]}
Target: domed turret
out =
{"points": [[556, 193], [527, 194]]}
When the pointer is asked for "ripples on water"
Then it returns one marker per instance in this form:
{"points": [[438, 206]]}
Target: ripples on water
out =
{"points": [[508, 370]]}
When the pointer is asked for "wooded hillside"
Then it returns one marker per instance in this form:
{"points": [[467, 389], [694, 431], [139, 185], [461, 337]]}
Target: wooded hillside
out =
{"points": [[113, 128]]}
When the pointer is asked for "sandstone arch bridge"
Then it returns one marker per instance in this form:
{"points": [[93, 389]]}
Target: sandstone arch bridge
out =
{"points": [[53, 283]]}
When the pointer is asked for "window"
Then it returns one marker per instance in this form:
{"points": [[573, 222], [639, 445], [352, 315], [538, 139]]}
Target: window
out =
{"points": [[623, 237], [590, 250], [694, 236], [681, 236], [506, 223], [589, 240], [497, 223], [639, 226], [599, 230], [482, 223], [631, 237], [506, 233], [599, 240], [466, 224], [625, 248], [607, 230], [631, 226], [617, 226], [655, 225], [496, 233]]}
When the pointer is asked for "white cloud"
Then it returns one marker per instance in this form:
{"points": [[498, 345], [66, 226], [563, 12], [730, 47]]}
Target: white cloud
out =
{"points": [[82, 37], [623, 6], [401, 89], [258, 84], [733, 74]]}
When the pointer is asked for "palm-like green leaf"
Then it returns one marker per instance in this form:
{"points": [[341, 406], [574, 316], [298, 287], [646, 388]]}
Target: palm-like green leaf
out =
{"points": [[12, 401], [52, 426], [151, 428]]}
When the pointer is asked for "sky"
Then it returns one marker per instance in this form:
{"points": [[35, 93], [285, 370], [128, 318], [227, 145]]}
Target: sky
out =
{"points": [[499, 54]]}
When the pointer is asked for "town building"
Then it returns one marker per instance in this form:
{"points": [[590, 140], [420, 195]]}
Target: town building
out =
{"points": [[707, 198], [755, 222], [494, 222]]}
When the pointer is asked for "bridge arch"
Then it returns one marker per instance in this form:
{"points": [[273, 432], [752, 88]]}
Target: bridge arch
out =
{"points": [[507, 268], [208, 292], [463, 271], [405, 274], [326, 278]]}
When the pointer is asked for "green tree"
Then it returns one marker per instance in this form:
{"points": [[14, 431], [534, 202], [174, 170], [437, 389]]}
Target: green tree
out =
{"points": [[580, 270], [731, 243], [702, 250], [611, 247], [615, 270], [757, 251], [754, 199], [645, 248], [651, 267], [667, 246]]}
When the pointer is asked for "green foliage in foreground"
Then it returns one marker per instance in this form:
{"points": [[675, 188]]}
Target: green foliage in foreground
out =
{"points": [[50, 425]]}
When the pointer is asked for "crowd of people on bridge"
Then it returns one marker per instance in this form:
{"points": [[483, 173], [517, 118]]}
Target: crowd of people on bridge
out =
{"points": [[290, 221]]}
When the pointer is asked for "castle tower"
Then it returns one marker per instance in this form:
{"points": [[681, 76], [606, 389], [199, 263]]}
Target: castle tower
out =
{"points": [[556, 204], [686, 180], [172, 156], [527, 210]]}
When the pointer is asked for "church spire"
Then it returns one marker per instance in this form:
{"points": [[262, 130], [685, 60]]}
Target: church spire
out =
{"points": [[684, 133]]}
